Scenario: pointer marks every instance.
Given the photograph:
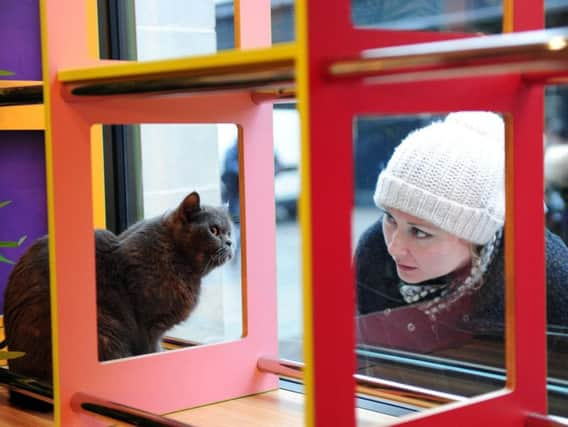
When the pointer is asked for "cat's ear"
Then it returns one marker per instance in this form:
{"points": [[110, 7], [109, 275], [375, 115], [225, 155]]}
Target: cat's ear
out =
{"points": [[190, 205]]}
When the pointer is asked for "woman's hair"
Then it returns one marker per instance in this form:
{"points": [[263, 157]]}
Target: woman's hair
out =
{"points": [[481, 259], [451, 174]]}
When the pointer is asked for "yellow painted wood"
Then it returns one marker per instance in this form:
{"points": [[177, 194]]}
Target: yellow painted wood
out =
{"points": [[22, 117], [93, 28], [237, 23], [305, 214], [508, 7], [284, 54], [2, 362], [97, 160], [50, 212], [98, 176], [18, 83]]}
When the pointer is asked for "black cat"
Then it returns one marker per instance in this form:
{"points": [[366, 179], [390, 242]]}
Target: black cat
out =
{"points": [[148, 280]]}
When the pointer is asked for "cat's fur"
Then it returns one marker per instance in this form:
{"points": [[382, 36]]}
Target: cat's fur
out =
{"points": [[148, 280]]}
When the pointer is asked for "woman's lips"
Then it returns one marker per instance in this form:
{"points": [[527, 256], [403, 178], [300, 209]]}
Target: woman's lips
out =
{"points": [[403, 267]]}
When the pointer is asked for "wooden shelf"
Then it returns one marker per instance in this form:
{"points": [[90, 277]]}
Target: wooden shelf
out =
{"points": [[21, 102], [251, 69], [540, 55], [20, 92], [276, 408], [22, 117]]}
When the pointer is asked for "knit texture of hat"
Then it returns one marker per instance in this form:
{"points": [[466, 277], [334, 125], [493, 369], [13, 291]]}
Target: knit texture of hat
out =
{"points": [[451, 174]]}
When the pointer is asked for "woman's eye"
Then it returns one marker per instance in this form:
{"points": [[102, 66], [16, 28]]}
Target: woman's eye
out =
{"points": [[420, 234], [214, 230], [389, 218]]}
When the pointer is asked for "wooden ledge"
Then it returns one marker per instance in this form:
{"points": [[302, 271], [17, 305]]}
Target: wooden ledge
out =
{"points": [[20, 92], [275, 408], [251, 69]]}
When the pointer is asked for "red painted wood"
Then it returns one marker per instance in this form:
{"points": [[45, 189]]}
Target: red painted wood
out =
{"points": [[333, 105], [527, 322]]}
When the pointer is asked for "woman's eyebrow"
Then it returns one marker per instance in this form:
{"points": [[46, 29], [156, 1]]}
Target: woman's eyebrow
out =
{"points": [[425, 226], [428, 227]]}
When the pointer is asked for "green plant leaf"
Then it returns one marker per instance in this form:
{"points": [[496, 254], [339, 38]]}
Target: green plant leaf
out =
{"points": [[13, 244], [6, 260], [8, 244], [8, 355]]}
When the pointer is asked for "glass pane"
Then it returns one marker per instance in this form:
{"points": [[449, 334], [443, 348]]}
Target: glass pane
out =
{"points": [[225, 24], [288, 243], [556, 13], [429, 250], [556, 192], [187, 287], [282, 22], [286, 131], [429, 15], [172, 28]]}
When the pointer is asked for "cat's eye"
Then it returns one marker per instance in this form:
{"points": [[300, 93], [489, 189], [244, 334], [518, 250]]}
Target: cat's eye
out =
{"points": [[214, 230]]}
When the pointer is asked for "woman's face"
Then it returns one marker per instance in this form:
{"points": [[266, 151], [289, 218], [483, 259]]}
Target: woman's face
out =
{"points": [[421, 250]]}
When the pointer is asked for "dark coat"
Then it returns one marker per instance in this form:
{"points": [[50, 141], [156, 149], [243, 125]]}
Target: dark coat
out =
{"points": [[377, 287]]}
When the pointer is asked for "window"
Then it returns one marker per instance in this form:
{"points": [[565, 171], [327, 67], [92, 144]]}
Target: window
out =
{"points": [[465, 370]]}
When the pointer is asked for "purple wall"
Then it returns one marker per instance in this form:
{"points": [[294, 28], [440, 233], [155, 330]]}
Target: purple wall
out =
{"points": [[22, 158], [22, 180], [20, 47]]}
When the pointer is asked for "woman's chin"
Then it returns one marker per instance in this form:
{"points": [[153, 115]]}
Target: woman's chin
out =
{"points": [[411, 276]]}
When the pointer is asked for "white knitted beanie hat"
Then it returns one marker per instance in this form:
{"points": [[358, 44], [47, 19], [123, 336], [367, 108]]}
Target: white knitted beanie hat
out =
{"points": [[556, 165], [451, 174]]}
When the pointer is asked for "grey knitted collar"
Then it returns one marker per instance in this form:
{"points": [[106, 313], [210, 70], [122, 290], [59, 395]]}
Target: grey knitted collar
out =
{"points": [[439, 294], [415, 293]]}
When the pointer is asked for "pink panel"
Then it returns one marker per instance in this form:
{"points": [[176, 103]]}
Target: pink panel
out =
{"points": [[176, 379], [253, 29]]}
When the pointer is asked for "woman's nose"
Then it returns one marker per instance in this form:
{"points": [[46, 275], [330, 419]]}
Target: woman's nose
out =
{"points": [[397, 246]]}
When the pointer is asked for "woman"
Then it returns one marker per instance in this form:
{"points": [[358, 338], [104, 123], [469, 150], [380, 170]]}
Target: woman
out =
{"points": [[437, 248]]}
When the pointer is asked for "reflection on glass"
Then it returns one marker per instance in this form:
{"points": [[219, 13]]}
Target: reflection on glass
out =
{"points": [[286, 125], [556, 198], [429, 15], [429, 250], [476, 16], [166, 29], [181, 262], [556, 13], [286, 132]]}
